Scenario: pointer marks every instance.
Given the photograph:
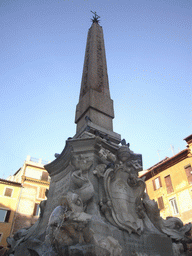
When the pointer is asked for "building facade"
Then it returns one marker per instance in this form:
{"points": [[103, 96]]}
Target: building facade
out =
{"points": [[169, 182], [9, 198], [31, 181]]}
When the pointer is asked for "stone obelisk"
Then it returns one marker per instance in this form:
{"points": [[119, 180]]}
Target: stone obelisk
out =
{"points": [[95, 105]]}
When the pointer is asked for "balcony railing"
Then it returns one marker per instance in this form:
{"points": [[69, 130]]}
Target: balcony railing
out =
{"points": [[37, 160]]}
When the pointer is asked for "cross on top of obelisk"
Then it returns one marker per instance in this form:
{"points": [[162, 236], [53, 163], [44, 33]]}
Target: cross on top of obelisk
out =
{"points": [[95, 18]]}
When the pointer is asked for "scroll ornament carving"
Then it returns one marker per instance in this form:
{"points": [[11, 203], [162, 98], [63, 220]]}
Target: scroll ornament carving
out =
{"points": [[80, 183]]}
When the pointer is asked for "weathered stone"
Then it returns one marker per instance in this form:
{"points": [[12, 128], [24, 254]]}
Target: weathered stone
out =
{"points": [[95, 101], [88, 250]]}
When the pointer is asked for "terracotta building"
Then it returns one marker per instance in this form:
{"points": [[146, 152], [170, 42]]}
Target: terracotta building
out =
{"points": [[31, 181], [169, 182], [9, 199]]}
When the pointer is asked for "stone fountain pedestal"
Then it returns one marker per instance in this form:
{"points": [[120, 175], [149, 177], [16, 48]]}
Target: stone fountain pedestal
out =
{"points": [[96, 205]]}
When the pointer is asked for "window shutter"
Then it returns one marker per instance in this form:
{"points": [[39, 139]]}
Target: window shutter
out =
{"points": [[45, 176], [188, 171], [160, 203], [36, 210], [160, 182], [8, 192], [154, 187], [41, 193], [7, 216], [168, 184]]}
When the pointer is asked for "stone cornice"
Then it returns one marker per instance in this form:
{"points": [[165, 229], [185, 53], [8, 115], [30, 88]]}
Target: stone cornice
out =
{"points": [[76, 146], [61, 162]]}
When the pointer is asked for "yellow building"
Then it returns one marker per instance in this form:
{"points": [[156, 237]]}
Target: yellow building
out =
{"points": [[169, 182], [9, 199], [32, 180]]}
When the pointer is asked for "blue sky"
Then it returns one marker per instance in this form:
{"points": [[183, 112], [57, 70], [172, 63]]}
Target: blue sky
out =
{"points": [[148, 53]]}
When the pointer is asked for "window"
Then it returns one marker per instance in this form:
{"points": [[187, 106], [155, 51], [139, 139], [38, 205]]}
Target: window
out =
{"points": [[188, 171], [160, 203], [8, 192], [168, 184], [1, 235], [41, 193], [157, 183], [4, 215], [174, 206], [36, 210], [45, 176]]}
